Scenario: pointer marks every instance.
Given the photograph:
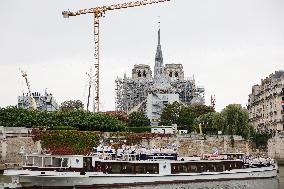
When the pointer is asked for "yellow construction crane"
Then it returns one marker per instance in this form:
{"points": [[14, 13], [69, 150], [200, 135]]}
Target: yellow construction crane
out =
{"points": [[33, 102], [99, 12]]}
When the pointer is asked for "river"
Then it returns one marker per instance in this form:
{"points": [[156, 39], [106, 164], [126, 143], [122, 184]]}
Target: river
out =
{"points": [[274, 183]]}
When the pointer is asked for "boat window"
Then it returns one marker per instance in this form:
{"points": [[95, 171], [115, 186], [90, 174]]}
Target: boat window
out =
{"points": [[182, 168], [201, 167], [65, 162], [37, 161], [128, 168], [56, 162], [47, 162], [146, 168], [211, 167], [29, 160], [115, 168], [193, 168]]}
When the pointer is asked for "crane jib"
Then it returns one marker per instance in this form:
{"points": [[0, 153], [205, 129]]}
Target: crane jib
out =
{"points": [[100, 10]]}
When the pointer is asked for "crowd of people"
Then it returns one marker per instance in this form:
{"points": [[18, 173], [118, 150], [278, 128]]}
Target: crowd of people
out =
{"points": [[134, 152], [258, 161]]}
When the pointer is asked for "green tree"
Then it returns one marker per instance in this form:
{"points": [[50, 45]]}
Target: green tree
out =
{"points": [[261, 139], [138, 119], [78, 119], [206, 122], [182, 115], [200, 109], [72, 105], [186, 118], [236, 120], [171, 113]]}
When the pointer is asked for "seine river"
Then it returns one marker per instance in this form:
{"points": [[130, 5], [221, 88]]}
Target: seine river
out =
{"points": [[275, 183]]}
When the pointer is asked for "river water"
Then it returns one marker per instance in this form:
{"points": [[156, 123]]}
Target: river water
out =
{"points": [[274, 183]]}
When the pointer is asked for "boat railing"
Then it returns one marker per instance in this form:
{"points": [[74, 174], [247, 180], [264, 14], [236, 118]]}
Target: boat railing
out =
{"points": [[135, 156]]}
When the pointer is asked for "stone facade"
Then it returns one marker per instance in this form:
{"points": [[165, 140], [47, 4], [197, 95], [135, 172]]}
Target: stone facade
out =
{"points": [[265, 103], [19, 144], [174, 71], [275, 147], [141, 71], [13, 141], [132, 92]]}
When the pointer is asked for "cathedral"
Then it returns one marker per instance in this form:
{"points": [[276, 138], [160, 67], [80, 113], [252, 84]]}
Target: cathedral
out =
{"points": [[148, 93]]}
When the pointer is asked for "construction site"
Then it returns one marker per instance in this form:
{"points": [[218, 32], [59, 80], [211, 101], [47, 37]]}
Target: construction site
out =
{"points": [[143, 91], [151, 93]]}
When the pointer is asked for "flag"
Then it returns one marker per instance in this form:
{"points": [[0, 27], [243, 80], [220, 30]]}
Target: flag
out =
{"points": [[282, 104]]}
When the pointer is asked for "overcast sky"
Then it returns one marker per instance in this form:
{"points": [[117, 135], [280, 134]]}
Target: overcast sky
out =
{"points": [[228, 45]]}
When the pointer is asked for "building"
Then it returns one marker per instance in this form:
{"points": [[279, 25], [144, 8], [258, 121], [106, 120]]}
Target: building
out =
{"points": [[265, 104], [143, 90], [44, 102], [156, 102], [165, 129]]}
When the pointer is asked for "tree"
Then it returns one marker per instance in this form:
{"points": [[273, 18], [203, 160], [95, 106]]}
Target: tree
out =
{"points": [[138, 119], [200, 109], [78, 119], [72, 105], [236, 120], [171, 113], [186, 118], [122, 116]]}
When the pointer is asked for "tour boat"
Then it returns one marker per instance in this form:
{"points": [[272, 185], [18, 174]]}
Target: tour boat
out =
{"points": [[106, 170]]}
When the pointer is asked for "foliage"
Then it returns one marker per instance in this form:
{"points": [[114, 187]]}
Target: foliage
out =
{"points": [[261, 139], [139, 129], [236, 120], [184, 116], [122, 116], [199, 110], [78, 119], [233, 120], [66, 142], [138, 119], [62, 128], [209, 122], [72, 105], [170, 114]]}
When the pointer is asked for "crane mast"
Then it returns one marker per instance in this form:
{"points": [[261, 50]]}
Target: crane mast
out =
{"points": [[33, 102], [99, 12]]}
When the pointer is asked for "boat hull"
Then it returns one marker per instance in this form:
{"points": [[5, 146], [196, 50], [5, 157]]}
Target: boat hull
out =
{"points": [[64, 179]]}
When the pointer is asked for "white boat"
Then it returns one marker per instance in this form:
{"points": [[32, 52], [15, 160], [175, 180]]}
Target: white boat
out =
{"points": [[108, 171]]}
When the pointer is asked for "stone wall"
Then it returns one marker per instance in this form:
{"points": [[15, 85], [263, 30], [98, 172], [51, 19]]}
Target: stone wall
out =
{"points": [[275, 147], [11, 148], [188, 146]]}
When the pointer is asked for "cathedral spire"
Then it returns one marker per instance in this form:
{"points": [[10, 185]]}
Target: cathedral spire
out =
{"points": [[158, 69]]}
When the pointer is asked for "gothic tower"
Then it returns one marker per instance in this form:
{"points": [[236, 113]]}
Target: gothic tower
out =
{"points": [[158, 69]]}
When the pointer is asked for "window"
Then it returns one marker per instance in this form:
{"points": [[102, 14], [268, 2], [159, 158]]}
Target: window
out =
{"points": [[65, 162], [38, 161], [56, 162], [47, 162], [176, 74]]}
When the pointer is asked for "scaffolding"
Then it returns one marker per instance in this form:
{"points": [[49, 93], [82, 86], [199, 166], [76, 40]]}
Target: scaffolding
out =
{"points": [[131, 93]]}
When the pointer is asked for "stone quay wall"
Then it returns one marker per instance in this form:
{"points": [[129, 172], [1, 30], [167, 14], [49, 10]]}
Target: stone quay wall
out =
{"points": [[275, 147], [188, 146], [11, 149]]}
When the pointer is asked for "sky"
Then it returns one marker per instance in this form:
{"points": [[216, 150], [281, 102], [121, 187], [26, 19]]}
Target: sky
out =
{"points": [[227, 45]]}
